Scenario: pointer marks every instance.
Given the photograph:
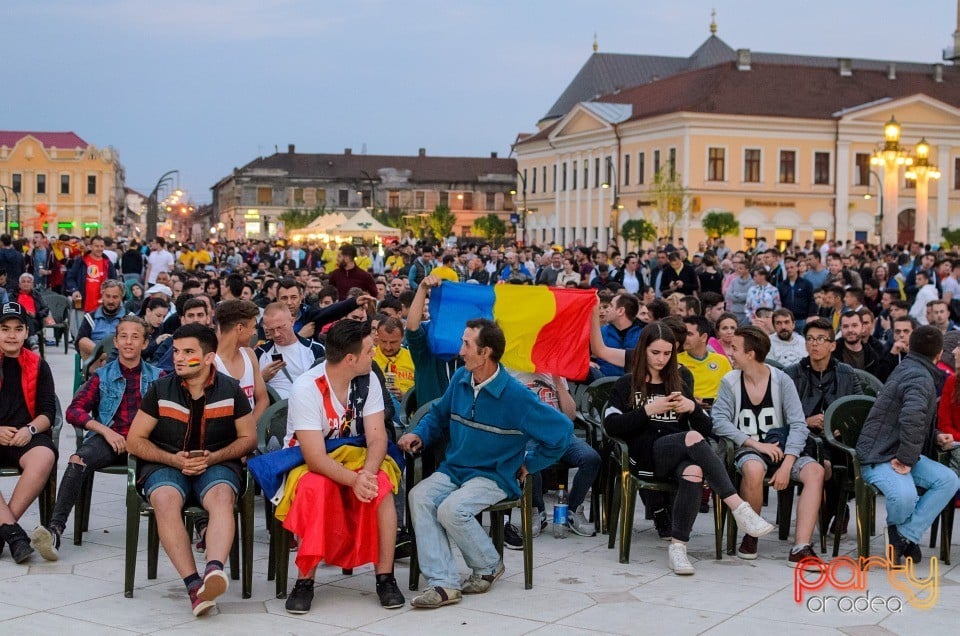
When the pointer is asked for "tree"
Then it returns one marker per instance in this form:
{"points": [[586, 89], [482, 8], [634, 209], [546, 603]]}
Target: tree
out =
{"points": [[719, 224], [952, 237], [490, 227], [441, 221], [672, 200], [638, 230], [294, 219]]}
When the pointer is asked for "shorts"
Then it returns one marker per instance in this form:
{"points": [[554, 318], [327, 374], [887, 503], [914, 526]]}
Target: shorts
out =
{"points": [[193, 489], [10, 455], [752, 455]]}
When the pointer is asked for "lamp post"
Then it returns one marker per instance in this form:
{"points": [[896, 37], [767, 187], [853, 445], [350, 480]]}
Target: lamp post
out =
{"points": [[878, 226], [616, 206], [152, 207], [6, 211], [523, 212], [921, 172]]}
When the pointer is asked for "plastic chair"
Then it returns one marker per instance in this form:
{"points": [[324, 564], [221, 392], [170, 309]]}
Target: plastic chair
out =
{"points": [[59, 306], [592, 400], [871, 384], [271, 430], [81, 511], [48, 495]]}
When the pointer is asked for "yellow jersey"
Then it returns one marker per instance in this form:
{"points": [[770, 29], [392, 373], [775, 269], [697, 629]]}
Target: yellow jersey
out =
{"points": [[398, 370], [707, 373], [329, 260]]}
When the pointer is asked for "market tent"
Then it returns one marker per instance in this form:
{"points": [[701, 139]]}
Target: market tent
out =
{"points": [[363, 224]]}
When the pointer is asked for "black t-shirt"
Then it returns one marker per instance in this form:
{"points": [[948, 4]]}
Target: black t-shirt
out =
{"points": [[13, 408], [756, 419], [856, 359], [653, 392], [196, 419]]}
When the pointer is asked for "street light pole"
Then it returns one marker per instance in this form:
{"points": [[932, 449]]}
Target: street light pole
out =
{"points": [[878, 226], [152, 206], [523, 212], [6, 211], [615, 207], [921, 172]]}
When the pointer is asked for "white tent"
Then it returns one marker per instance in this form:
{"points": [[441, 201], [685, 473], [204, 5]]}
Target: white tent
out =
{"points": [[363, 224], [324, 222]]}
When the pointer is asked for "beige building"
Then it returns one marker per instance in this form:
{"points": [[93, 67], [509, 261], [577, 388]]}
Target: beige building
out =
{"points": [[81, 185], [782, 141]]}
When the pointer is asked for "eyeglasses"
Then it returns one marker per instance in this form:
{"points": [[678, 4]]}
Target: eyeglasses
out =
{"points": [[817, 339]]}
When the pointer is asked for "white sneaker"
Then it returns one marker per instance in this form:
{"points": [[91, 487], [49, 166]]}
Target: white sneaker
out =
{"points": [[579, 525], [750, 522], [679, 562], [539, 523]]}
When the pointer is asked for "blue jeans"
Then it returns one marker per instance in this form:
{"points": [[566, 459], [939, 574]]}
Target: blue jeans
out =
{"points": [[442, 513], [910, 512], [578, 455]]}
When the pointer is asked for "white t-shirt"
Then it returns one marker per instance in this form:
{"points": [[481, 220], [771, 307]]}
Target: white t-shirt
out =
{"points": [[159, 261], [313, 406], [298, 358]]}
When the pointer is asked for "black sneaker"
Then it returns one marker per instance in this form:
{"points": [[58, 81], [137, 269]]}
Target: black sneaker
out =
{"points": [[404, 547], [301, 597], [663, 520], [390, 595], [911, 550], [17, 539], [511, 538], [898, 543]]}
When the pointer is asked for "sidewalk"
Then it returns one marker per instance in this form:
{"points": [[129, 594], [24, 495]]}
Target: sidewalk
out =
{"points": [[579, 587]]}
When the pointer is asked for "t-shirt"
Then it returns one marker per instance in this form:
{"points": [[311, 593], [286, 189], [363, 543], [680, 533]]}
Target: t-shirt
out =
{"points": [[542, 385], [653, 392], [298, 358], [855, 359], [97, 269], [313, 406], [159, 261], [398, 371], [707, 373], [756, 419]]}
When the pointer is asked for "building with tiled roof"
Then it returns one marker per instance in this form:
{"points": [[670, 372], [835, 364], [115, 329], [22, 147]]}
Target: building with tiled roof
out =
{"points": [[249, 201], [81, 185], [783, 141]]}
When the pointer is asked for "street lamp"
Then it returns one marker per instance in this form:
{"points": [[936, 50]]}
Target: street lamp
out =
{"points": [[616, 206], [6, 211], [921, 172], [152, 211], [878, 226], [523, 212]]}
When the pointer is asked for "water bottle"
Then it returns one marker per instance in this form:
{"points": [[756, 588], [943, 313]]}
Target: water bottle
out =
{"points": [[560, 515]]}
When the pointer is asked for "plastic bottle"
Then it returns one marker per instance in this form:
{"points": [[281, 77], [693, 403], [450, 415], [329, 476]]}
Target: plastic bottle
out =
{"points": [[560, 514]]}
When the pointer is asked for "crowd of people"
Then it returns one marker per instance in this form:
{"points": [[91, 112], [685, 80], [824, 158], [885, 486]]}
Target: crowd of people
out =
{"points": [[186, 345]]}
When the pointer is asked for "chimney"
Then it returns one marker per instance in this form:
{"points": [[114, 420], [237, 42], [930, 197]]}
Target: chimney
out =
{"points": [[743, 59], [348, 151], [846, 67], [938, 73], [493, 155], [422, 152], [891, 71], [291, 149]]}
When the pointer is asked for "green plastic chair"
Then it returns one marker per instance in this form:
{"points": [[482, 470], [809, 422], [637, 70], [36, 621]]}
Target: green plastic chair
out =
{"points": [[871, 384], [81, 511], [48, 495]]}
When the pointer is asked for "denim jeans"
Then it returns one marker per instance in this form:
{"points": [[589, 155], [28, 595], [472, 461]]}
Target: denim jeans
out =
{"points": [[910, 512], [442, 513], [578, 455]]}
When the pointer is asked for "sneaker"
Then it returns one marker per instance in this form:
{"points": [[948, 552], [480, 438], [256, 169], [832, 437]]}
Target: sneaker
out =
{"points": [[436, 597], [301, 597], [748, 548], [750, 522], [579, 525], [215, 583], [480, 583], [663, 521], [512, 540], [679, 563], [806, 559], [199, 605], [404, 547], [539, 524], [46, 541], [911, 550], [50, 343], [14, 536], [390, 595]]}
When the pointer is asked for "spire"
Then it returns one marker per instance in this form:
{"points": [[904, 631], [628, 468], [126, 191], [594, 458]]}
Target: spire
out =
{"points": [[596, 46], [713, 22]]}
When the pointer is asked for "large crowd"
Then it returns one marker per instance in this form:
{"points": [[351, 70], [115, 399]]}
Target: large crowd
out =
{"points": [[184, 347]]}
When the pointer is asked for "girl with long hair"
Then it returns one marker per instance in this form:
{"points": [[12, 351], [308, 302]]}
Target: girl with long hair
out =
{"points": [[654, 412], [726, 325]]}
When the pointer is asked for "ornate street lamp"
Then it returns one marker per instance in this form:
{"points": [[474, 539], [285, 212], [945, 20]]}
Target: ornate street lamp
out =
{"points": [[921, 171]]}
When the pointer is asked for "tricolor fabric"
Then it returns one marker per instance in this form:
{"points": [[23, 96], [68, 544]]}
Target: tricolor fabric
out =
{"points": [[547, 328]]}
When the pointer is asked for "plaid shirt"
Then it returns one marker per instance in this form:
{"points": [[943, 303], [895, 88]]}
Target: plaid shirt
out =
{"points": [[86, 403]]}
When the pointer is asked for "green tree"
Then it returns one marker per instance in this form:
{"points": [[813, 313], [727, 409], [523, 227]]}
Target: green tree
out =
{"points": [[638, 230], [490, 227], [672, 201], [952, 237], [392, 217], [441, 221], [720, 224], [295, 219]]}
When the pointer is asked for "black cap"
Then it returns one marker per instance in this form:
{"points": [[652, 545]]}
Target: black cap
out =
{"points": [[13, 310]]}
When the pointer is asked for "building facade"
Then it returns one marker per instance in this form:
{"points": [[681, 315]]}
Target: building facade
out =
{"points": [[82, 186], [782, 141], [250, 201]]}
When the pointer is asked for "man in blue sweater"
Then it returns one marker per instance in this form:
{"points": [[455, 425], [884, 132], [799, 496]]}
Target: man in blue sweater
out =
{"points": [[490, 417]]}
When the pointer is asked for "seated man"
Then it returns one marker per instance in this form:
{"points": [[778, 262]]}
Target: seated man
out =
{"points": [[393, 358], [340, 398], [786, 345], [104, 407], [28, 407], [754, 400], [38, 315], [189, 436], [285, 356], [897, 433], [102, 322], [195, 311], [490, 418]]}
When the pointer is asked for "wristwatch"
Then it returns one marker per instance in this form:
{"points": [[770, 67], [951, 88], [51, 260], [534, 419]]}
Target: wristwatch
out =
{"points": [[33, 429]]}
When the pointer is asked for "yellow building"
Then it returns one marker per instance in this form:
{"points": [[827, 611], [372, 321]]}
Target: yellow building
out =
{"points": [[81, 185], [782, 141]]}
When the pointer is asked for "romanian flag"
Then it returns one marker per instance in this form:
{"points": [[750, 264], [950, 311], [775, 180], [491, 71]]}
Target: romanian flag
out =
{"points": [[547, 329]]}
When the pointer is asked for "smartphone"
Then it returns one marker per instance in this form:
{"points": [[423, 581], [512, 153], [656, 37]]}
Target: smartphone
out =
{"points": [[195, 453], [675, 395], [276, 357]]}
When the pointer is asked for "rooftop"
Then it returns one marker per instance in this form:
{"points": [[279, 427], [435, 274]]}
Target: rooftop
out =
{"points": [[11, 138]]}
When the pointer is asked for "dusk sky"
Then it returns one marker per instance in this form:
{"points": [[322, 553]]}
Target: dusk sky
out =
{"points": [[204, 86]]}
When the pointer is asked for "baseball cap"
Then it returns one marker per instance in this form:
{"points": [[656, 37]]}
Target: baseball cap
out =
{"points": [[13, 310]]}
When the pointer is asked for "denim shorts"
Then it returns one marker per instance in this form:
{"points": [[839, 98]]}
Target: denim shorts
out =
{"points": [[753, 455], [197, 485]]}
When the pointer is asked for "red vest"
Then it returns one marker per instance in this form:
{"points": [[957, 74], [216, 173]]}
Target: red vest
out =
{"points": [[29, 372]]}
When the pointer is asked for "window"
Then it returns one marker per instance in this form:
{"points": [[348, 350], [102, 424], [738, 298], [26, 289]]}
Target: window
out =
{"points": [[956, 174], [298, 196], [860, 236], [596, 172], [64, 184], [393, 200], [445, 198], [819, 236], [609, 171], [543, 180], [564, 177], [788, 166], [573, 169], [656, 161], [641, 160], [91, 184], [821, 168], [554, 177], [343, 198], [749, 236], [751, 165], [672, 162], [783, 238], [715, 164], [468, 200], [863, 169], [321, 196], [41, 184], [626, 169], [17, 182], [264, 196], [533, 187], [909, 184], [492, 198], [418, 200], [586, 173], [524, 182]]}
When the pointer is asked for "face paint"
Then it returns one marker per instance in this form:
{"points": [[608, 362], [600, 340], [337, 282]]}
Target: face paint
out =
{"points": [[193, 362]]}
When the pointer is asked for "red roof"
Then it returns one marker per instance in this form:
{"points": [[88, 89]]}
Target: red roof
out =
{"points": [[71, 140]]}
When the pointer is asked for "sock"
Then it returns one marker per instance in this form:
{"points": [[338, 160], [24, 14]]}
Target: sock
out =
{"points": [[384, 578], [192, 581], [215, 564], [795, 549]]}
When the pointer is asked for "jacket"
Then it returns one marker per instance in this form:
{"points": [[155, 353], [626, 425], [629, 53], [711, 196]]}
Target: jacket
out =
{"points": [[871, 359], [29, 375], [798, 298], [489, 433], [818, 390], [787, 411], [900, 423], [77, 275], [112, 386], [736, 296], [619, 339]]}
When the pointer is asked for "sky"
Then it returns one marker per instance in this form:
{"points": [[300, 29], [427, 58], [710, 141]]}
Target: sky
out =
{"points": [[203, 86]]}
